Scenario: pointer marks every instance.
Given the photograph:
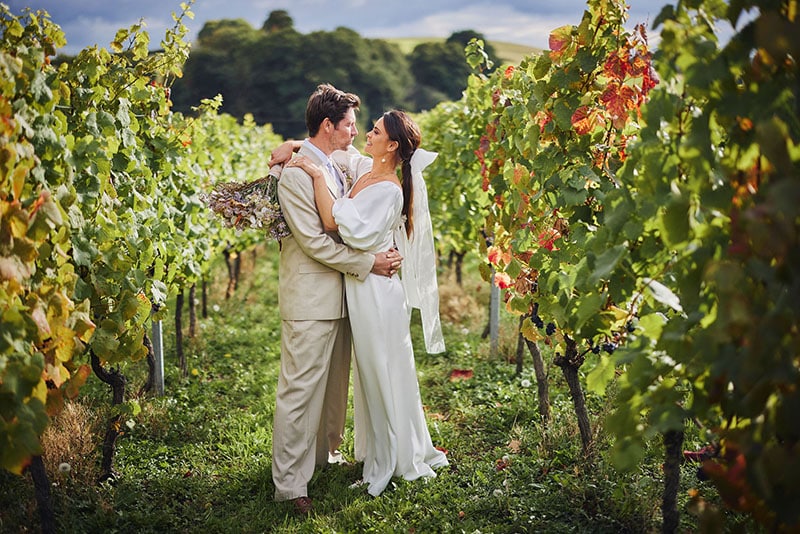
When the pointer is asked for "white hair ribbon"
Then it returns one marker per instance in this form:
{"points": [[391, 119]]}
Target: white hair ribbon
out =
{"points": [[419, 257]]}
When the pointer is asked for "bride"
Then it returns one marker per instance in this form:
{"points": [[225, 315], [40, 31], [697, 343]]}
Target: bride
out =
{"points": [[382, 210]]}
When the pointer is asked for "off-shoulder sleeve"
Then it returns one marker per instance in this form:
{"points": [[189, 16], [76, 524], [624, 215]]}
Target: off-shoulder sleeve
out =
{"points": [[296, 194], [366, 220]]}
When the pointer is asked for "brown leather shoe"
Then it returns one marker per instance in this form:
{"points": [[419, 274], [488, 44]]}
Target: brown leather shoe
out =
{"points": [[302, 506]]}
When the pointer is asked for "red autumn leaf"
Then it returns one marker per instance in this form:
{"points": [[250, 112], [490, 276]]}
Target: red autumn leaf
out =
{"points": [[641, 30], [497, 256], [585, 120], [728, 473], [496, 94], [599, 156], [493, 255], [615, 66], [623, 145], [460, 374], [638, 65], [491, 130], [649, 79], [559, 41], [525, 256], [525, 199], [502, 280], [480, 153], [483, 147], [543, 118], [618, 100], [578, 120], [548, 237]]}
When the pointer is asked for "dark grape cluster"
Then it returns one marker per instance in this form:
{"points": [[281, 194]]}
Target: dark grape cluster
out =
{"points": [[539, 323], [610, 347], [535, 319]]}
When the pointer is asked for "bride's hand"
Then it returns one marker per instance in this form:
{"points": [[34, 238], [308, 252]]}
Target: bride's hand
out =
{"points": [[304, 163], [282, 153]]}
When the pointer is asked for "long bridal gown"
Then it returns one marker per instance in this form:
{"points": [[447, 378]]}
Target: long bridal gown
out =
{"points": [[391, 433]]}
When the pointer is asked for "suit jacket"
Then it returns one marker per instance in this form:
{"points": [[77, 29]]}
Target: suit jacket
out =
{"points": [[311, 283]]}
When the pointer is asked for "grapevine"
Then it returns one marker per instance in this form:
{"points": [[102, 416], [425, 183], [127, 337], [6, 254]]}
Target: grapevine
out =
{"points": [[101, 215], [639, 201]]}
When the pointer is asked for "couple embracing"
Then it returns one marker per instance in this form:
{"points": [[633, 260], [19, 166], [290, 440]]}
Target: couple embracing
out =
{"points": [[339, 286]]}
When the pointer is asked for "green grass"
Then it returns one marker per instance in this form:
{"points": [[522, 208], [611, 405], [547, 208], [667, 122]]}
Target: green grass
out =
{"points": [[198, 459], [508, 52]]}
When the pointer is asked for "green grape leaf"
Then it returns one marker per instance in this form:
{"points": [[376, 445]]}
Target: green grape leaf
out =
{"points": [[663, 294], [605, 263], [675, 220], [598, 378]]}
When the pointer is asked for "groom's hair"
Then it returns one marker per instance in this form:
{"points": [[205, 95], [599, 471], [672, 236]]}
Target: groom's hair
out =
{"points": [[328, 102]]}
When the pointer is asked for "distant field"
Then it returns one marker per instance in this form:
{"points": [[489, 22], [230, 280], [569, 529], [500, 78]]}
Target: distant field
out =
{"points": [[508, 52]]}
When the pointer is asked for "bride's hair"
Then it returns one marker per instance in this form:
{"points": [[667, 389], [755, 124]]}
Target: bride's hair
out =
{"points": [[400, 128]]}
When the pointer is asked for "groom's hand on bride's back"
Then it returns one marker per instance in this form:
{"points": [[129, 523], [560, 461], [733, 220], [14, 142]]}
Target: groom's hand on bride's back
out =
{"points": [[387, 263]]}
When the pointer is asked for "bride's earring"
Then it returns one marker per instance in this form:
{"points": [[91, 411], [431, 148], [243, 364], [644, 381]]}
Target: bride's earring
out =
{"points": [[383, 159]]}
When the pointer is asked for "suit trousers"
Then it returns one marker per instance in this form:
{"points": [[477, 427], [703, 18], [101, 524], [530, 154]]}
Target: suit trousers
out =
{"points": [[311, 401]]}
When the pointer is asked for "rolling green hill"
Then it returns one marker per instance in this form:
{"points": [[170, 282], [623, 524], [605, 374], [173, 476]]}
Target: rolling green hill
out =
{"points": [[509, 52]]}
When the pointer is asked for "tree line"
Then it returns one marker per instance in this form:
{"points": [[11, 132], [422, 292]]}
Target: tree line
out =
{"points": [[269, 72]]}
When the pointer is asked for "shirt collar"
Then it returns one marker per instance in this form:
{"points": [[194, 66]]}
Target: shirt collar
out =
{"points": [[320, 154]]}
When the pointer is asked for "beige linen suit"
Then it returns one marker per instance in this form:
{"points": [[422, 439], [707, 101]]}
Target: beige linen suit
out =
{"points": [[311, 399]]}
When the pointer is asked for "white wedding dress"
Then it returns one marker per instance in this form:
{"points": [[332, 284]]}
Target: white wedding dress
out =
{"points": [[391, 434]]}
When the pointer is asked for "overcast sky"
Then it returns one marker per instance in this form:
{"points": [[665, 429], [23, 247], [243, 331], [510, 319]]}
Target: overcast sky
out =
{"points": [[89, 22]]}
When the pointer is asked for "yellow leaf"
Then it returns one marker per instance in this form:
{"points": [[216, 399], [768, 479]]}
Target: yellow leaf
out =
{"points": [[40, 392], [530, 331], [619, 313]]}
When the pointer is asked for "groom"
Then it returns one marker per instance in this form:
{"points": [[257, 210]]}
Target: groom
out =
{"points": [[311, 399]]}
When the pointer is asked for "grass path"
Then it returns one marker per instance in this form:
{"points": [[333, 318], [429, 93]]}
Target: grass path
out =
{"points": [[198, 459]]}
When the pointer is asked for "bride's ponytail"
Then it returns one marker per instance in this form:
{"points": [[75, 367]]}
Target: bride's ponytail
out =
{"points": [[400, 128]]}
